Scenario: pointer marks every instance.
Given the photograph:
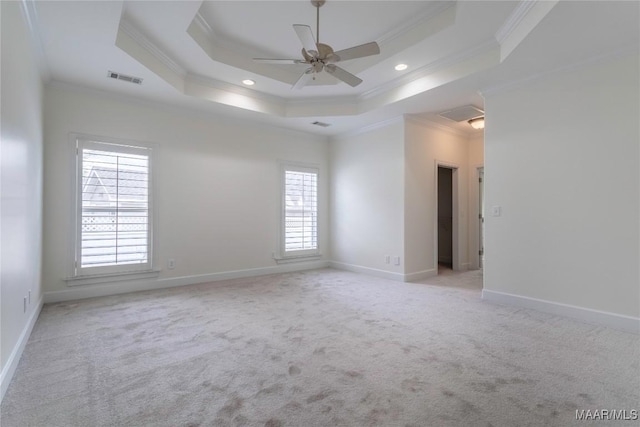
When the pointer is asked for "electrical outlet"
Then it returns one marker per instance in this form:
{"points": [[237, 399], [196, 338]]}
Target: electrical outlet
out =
{"points": [[496, 210], [396, 260], [387, 259], [171, 264]]}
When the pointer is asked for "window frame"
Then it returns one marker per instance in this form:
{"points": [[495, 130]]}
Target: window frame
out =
{"points": [[300, 253], [86, 275]]}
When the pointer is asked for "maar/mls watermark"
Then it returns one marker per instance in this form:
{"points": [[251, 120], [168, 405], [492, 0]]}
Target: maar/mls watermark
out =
{"points": [[606, 414]]}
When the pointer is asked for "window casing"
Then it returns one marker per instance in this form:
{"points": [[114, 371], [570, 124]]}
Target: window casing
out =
{"points": [[113, 209], [300, 211]]}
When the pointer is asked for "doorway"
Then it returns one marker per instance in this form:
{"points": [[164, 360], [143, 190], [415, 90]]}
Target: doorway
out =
{"points": [[481, 216], [446, 243]]}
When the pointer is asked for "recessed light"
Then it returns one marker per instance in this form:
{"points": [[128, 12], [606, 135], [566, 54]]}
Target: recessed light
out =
{"points": [[248, 82], [401, 67]]}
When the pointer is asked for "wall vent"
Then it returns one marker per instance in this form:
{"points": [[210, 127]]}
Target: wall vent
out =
{"points": [[130, 79], [321, 124]]}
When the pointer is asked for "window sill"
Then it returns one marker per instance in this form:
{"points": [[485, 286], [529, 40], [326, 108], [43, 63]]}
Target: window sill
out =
{"points": [[93, 279], [297, 258]]}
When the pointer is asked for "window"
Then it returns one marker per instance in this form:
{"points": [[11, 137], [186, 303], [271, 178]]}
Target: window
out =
{"points": [[113, 216], [300, 216]]}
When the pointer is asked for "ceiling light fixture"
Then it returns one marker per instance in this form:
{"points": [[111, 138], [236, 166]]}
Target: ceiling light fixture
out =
{"points": [[248, 82], [401, 67], [477, 123]]}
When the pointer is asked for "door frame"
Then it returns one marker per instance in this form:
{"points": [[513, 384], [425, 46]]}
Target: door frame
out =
{"points": [[475, 241], [455, 221]]}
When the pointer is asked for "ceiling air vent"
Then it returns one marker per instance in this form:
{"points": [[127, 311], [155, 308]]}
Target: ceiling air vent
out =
{"points": [[462, 114], [321, 124], [130, 79]]}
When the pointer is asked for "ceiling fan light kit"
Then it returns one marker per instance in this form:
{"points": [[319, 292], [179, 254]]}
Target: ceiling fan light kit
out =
{"points": [[321, 57], [477, 123]]}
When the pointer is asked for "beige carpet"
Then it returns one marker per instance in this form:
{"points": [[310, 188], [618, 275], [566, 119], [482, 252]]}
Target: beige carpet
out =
{"points": [[317, 348]]}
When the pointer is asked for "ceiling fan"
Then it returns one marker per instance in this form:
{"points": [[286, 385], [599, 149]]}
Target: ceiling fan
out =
{"points": [[321, 56]]}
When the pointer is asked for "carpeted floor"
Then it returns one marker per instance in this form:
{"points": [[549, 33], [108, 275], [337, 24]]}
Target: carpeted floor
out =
{"points": [[317, 348]]}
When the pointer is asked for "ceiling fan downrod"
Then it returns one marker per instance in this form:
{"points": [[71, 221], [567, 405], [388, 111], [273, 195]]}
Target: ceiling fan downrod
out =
{"points": [[318, 4]]}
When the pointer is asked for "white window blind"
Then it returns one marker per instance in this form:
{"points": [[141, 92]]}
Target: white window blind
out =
{"points": [[114, 225], [300, 211]]}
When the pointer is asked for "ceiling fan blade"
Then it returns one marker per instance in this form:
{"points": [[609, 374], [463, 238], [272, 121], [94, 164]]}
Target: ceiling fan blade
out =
{"points": [[304, 79], [306, 37], [342, 74], [361, 51], [279, 61]]}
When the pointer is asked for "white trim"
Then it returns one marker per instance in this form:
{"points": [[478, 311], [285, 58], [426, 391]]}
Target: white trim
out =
{"points": [[129, 29], [235, 89], [204, 25], [512, 22], [149, 285], [439, 64], [398, 277], [297, 258], [420, 275], [368, 128], [182, 111], [286, 166], [613, 55], [78, 142], [433, 10], [587, 315], [14, 358], [419, 120], [109, 278]]}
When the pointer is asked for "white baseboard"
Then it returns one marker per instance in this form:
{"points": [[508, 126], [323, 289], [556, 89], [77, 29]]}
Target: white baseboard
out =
{"points": [[90, 291], [420, 275], [14, 358], [399, 277], [596, 317]]}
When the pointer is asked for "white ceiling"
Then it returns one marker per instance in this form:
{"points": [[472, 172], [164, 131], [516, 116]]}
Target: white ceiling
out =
{"points": [[194, 54]]}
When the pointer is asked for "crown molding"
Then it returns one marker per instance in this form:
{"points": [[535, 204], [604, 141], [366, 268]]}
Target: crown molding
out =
{"points": [[368, 128], [514, 19], [526, 16], [432, 67], [179, 110], [129, 29], [522, 82], [433, 10], [228, 87], [204, 25], [417, 119], [31, 17]]}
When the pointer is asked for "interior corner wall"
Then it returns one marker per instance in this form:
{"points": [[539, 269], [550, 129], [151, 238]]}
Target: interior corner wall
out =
{"points": [[21, 188], [426, 145], [367, 201], [218, 190], [562, 161]]}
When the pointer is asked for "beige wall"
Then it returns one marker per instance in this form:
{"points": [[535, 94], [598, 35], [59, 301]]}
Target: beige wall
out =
{"points": [[367, 200], [425, 146], [21, 212], [218, 192], [562, 161]]}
